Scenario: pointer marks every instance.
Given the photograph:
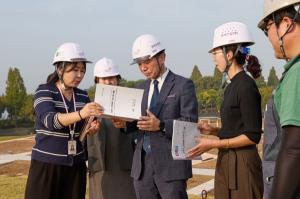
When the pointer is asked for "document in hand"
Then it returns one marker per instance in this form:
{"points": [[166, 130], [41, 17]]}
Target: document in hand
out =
{"points": [[184, 134], [119, 101]]}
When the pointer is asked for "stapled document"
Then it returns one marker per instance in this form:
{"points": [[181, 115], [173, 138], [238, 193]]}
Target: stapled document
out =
{"points": [[121, 102], [184, 134]]}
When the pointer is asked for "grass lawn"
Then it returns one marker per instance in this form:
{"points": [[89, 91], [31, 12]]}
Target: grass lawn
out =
{"points": [[14, 187], [5, 138]]}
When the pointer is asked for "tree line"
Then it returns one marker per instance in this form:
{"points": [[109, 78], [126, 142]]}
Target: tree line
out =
{"points": [[209, 94], [19, 104]]}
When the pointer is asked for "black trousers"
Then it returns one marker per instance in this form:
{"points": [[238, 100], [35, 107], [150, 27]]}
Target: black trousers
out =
{"points": [[151, 186], [49, 181]]}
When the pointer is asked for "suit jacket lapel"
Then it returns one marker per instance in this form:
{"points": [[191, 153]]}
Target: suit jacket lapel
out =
{"points": [[164, 92]]}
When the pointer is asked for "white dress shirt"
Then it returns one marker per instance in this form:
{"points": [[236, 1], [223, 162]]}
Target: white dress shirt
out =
{"points": [[161, 81]]}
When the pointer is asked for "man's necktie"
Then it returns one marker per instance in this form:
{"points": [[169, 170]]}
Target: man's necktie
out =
{"points": [[153, 103]]}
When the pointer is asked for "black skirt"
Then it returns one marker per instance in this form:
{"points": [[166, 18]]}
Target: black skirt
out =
{"points": [[50, 181]]}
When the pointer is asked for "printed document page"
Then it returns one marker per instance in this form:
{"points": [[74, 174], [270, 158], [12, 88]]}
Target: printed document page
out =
{"points": [[184, 134], [119, 101]]}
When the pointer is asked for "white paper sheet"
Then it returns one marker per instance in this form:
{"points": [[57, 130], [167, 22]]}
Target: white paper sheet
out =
{"points": [[184, 134], [119, 101]]}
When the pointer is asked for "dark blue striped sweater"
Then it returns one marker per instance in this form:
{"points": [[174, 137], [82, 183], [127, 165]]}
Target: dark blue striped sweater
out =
{"points": [[51, 137]]}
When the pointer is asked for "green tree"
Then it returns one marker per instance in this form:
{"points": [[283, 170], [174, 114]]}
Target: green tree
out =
{"points": [[207, 83], [15, 93], [272, 79], [27, 111], [260, 82], [196, 75], [217, 79], [2, 104], [265, 93], [91, 92], [210, 100]]}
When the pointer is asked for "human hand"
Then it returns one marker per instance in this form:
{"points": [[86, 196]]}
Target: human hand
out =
{"points": [[204, 144], [118, 123], [206, 129], [94, 128], [91, 109], [149, 122]]}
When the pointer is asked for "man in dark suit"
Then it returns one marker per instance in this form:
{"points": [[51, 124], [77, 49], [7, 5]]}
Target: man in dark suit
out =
{"points": [[167, 97]]}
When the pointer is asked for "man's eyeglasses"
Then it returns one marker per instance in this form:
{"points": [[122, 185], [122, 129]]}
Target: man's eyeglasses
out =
{"points": [[267, 27]]}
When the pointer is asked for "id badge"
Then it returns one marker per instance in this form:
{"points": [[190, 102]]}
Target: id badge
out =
{"points": [[71, 147]]}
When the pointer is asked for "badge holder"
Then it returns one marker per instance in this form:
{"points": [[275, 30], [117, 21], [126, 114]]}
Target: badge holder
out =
{"points": [[72, 145]]}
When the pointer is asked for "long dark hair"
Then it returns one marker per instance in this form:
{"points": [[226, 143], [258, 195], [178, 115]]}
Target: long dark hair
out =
{"points": [[253, 66]]}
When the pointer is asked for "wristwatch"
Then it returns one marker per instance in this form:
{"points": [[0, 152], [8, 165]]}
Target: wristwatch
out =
{"points": [[162, 127]]}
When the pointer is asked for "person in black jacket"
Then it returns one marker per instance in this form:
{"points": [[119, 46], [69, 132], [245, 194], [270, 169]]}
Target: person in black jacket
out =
{"points": [[238, 170]]}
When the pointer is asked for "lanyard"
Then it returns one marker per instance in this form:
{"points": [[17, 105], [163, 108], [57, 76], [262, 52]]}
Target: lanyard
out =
{"points": [[74, 125]]}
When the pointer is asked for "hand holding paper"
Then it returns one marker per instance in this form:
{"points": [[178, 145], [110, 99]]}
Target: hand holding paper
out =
{"points": [[118, 123], [185, 136], [91, 126], [149, 122], [94, 127], [204, 144], [119, 101], [207, 129], [91, 109]]}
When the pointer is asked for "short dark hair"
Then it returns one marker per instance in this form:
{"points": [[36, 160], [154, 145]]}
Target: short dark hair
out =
{"points": [[289, 12]]}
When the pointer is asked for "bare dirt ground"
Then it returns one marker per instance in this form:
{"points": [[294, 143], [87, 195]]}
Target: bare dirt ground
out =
{"points": [[16, 168], [210, 164], [16, 146], [19, 167], [198, 179]]}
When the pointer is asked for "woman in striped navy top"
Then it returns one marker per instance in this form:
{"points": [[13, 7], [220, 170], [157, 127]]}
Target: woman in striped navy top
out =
{"points": [[58, 167]]}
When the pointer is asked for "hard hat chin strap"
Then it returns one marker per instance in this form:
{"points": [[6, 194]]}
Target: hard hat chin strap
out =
{"points": [[280, 38], [225, 77]]}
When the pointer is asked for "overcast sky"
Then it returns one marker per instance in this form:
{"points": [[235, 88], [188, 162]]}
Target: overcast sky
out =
{"points": [[32, 30]]}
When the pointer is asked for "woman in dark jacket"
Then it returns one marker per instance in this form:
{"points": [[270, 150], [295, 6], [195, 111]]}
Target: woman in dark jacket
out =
{"points": [[111, 150], [58, 168], [238, 170]]}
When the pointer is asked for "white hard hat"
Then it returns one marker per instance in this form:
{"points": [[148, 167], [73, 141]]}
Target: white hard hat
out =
{"points": [[69, 52], [105, 68], [145, 47], [271, 6], [232, 33]]}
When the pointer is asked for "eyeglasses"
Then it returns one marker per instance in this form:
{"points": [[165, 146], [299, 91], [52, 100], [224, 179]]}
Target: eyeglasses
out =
{"points": [[267, 27], [216, 52]]}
